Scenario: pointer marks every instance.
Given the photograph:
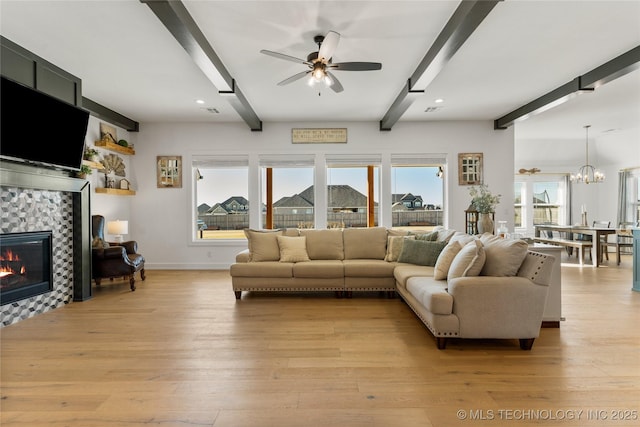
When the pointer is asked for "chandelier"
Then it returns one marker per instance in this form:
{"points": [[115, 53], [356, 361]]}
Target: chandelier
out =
{"points": [[587, 173]]}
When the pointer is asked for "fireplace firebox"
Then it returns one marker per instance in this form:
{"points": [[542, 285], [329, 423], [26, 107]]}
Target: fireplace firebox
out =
{"points": [[26, 261]]}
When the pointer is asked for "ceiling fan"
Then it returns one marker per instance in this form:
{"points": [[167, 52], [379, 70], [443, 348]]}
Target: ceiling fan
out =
{"points": [[320, 64]]}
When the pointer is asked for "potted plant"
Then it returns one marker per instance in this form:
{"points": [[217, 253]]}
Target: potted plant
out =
{"points": [[485, 203], [91, 154], [84, 171]]}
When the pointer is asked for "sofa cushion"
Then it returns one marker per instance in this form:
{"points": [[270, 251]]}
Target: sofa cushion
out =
{"points": [[323, 269], [404, 272], [365, 243], [263, 245], [504, 257], [441, 270], [469, 261], [367, 268], [324, 244], [421, 252], [293, 249], [431, 294], [394, 247], [264, 269]]}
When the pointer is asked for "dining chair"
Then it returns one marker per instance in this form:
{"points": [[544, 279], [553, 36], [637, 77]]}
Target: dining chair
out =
{"points": [[623, 239]]}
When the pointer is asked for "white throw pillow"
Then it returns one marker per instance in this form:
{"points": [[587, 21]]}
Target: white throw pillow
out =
{"points": [[504, 257], [469, 261], [441, 269], [293, 249]]}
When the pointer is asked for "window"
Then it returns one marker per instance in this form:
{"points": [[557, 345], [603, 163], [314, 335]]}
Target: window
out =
{"points": [[539, 200], [352, 190], [519, 190], [287, 191], [221, 197], [417, 190]]}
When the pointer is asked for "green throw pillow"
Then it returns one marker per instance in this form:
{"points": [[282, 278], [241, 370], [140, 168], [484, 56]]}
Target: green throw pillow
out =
{"points": [[429, 237], [421, 252]]}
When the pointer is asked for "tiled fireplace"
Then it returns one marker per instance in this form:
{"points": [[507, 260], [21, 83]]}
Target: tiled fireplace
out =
{"points": [[39, 204]]}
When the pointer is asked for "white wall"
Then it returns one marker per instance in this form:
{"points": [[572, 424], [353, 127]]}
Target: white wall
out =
{"points": [[609, 152], [161, 219]]}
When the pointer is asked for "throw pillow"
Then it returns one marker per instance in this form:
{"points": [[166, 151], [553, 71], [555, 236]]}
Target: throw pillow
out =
{"points": [[394, 247], [444, 235], [429, 237], [504, 257], [420, 252], [263, 245], [445, 259], [469, 261], [293, 249]]}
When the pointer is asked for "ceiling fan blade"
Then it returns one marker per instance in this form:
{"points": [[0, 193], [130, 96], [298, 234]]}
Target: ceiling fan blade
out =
{"points": [[356, 66], [335, 83], [285, 57], [293, 78], [328, 46]]}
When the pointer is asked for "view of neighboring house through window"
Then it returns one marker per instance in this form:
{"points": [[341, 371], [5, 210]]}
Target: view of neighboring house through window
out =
{"points": [[292, 197], [417, 196], [347, 196], [221, 188]]}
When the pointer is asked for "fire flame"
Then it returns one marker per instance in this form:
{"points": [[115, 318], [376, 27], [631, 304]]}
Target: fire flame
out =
{"points": [[6, 270], [8, 255]]}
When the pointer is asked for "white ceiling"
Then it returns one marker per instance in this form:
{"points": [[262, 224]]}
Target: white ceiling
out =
{"points": [[130, 63]]}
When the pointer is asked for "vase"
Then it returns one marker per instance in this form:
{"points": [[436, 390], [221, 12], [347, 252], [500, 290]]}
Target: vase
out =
{"points": [[485, 223]]}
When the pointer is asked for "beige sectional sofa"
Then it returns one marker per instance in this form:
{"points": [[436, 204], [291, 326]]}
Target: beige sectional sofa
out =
{"points": [[460, 286]]}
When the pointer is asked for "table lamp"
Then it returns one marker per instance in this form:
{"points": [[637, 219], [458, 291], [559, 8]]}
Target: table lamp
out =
{"points": [[117, 229]]}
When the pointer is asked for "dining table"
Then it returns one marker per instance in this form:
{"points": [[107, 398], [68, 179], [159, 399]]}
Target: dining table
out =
{"points": [[595, 232]]}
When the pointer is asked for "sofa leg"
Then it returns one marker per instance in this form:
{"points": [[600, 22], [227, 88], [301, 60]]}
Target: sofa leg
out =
{"points": [[348, 294], [442, 342], [238, 294], [526, 343], [391, 294], [132, 283], [142, 275]]}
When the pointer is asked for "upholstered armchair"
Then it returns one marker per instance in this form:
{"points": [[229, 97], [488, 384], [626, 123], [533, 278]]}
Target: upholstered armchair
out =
{"points": [[111, 259]]}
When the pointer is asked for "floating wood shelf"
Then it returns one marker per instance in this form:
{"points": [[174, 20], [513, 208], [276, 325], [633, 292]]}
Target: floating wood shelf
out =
{"points": [[115, 191], [115, 147], [93, 165]]}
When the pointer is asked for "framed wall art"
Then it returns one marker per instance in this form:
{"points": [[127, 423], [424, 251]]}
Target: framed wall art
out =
{"points": [[469, 168], [169, 171]]}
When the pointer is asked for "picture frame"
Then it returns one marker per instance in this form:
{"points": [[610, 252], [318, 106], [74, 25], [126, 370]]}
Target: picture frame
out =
{"points": [[124, 184], [108, 133], [169, 171], [470, 168]]}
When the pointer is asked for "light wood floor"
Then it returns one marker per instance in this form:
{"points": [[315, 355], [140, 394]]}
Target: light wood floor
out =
{"points": [[180, 351]]}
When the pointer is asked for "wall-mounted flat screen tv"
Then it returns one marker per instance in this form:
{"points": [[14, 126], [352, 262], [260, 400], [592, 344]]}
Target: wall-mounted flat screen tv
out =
{"points": [[40, 129]]}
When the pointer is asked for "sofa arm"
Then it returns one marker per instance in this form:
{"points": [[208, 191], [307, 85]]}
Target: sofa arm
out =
{"points": [[112, 252], [498, 307], [243, 256]]}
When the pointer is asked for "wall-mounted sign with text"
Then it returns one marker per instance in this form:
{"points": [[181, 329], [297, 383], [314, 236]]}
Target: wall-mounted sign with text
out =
{"points": [[319, 135]]}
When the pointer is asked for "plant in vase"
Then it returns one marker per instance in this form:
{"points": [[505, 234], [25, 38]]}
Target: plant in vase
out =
{"points": [[91, 154], [84, 171], [485, 203]]}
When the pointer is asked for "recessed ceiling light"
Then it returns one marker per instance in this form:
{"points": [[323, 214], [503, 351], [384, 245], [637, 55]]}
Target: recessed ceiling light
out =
{"points": [[199, 101], [438, 100]]}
